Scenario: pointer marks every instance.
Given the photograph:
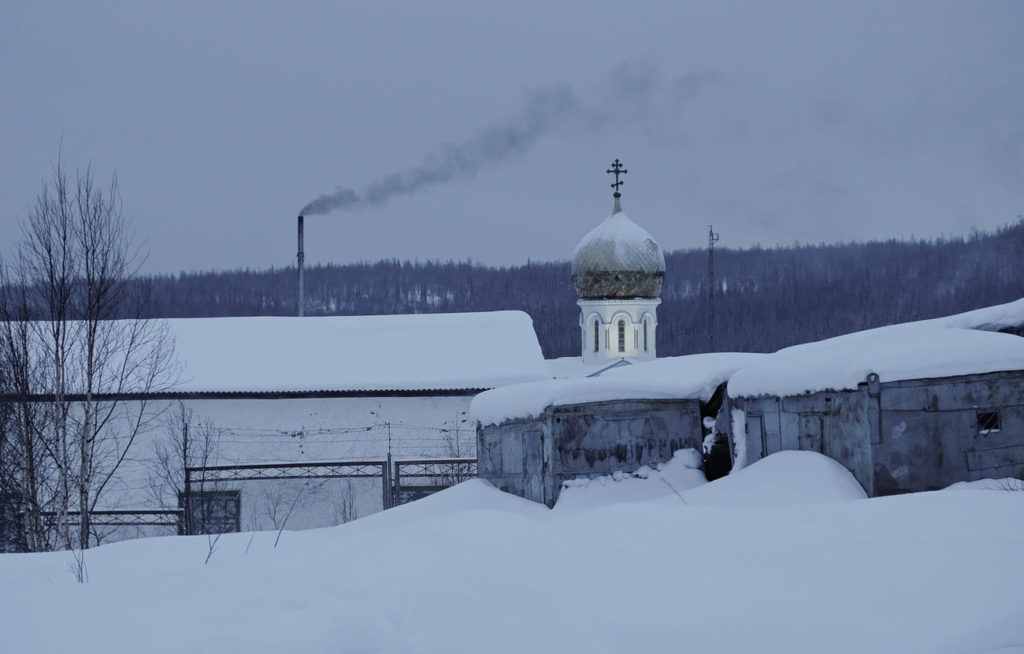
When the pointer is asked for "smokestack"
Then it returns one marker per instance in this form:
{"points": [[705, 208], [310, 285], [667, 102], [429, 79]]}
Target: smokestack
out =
{"points": [[302, 257]]}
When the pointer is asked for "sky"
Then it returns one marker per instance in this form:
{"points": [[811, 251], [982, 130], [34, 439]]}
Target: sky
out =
{"points": [[468, 130]]}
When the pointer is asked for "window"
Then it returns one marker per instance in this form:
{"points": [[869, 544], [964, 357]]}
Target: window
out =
{"points": [[597, 337], [645, 334], [210, 512], [622, 335], [988, 421]]}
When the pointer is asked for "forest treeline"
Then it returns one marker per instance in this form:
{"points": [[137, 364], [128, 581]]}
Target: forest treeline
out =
{"points": [[765, 299]]}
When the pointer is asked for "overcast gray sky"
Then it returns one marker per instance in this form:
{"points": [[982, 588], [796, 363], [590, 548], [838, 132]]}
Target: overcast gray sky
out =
{"points": [[482, 130]]}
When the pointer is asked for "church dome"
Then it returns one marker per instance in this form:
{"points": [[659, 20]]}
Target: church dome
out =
{"points": [[618, 259]]}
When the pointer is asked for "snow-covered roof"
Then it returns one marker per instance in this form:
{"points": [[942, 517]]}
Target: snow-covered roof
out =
{"points": [[688, 377], [992, 319], [963, 344], [457, 351], [574, 367]]}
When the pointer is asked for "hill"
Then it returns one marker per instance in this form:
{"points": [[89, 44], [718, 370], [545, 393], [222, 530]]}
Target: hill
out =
{"points": [[766, 298]]}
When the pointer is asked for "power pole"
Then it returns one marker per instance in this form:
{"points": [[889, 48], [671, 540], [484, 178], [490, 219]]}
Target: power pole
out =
{"points": [[712, 239]]}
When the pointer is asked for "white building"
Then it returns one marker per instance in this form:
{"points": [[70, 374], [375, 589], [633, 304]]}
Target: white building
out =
{"points": [[319, 388], [275, 403]]}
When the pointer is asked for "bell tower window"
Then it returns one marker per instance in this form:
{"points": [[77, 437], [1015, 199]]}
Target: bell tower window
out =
{"points": [[622, 335]]}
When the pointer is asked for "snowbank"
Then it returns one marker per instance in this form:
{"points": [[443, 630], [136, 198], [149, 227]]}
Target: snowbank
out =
{"points": [[337, 353], [473, 569], [1005, 484], [783, 478], [689, 377]]}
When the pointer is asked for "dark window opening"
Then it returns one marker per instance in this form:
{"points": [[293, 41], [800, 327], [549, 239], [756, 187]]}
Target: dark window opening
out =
{"points": [[211, 512], [597, 338], [988, 421], [645, 334], [622, 336]]}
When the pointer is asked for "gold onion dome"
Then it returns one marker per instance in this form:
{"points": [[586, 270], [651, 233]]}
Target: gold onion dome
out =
{"points": [[618, 259]]}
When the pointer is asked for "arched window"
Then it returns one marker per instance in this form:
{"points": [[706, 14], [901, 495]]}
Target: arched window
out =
{"points": [[622, 335], [597, 337], [645, 334]]}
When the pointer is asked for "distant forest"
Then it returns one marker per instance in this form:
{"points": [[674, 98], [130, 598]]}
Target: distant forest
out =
{"points": [[765, 298]]}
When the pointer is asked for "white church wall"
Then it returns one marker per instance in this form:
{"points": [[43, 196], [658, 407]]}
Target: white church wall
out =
{"points": [[608, 313]]}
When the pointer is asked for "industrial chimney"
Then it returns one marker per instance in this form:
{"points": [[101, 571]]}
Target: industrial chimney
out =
{"points": [[302, 256]]}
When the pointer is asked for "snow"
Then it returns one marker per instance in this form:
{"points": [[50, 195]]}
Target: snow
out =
{"points": [[783, 478], [962, 344], [473, 569], [339, 353], [1006, 484], [693, 376], [911, 351], [618, 243], [688, 377], [994, 318], [574, 367], [680, 473]]}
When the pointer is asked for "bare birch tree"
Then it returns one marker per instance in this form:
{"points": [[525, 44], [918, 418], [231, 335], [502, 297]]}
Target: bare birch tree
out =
{"points": [[72, 310]]}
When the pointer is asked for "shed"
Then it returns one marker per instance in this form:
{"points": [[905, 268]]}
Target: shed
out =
{"points": [[533, 437], [905, 408]]}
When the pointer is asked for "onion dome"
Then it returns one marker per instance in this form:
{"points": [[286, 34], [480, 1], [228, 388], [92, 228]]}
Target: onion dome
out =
{"points": [[618, 259]]}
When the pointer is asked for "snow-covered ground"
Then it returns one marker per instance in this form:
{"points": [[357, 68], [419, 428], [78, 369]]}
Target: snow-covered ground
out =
{"points": [[784, 556]]}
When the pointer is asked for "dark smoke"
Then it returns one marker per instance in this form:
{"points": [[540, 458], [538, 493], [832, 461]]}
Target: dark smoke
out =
{"points": [[628, 95]]}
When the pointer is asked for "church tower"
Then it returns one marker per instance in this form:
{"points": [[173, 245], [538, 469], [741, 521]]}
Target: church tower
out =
{"points": [[618, 270]]}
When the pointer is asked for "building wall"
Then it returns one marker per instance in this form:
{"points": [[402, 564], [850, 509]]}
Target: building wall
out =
{"points": [[532, 457], [834, 424], [607, 313], [290, 430], [929, 434], [897, 437]]}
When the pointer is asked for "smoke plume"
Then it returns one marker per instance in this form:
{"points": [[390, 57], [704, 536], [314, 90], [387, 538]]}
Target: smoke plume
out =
{"points": [[630, 94]]}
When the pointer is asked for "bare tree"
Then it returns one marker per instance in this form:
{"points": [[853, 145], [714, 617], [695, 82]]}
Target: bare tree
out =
{"points": [[189, 443], [75, 325], [26, 469]]}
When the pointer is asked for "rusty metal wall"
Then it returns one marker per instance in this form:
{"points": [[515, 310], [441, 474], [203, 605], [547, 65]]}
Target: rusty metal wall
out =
{"points": [[899, 437], [532, 458]]}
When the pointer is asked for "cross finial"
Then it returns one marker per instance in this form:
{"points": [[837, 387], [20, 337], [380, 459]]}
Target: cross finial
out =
{"points": [[617, 170]]}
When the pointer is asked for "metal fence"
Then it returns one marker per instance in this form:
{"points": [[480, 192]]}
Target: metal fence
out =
{"points": [[265, 496], [262, 496], [105, 525]]}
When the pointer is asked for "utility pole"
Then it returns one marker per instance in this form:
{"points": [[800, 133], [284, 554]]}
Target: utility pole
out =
{"points": [[712, 239]]}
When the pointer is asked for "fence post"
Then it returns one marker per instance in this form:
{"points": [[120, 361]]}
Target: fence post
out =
{"points": [[397, 481], [186, 520], [385, 475]]}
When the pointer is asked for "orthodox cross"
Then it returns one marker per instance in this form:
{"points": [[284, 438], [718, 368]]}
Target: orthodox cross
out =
{"points": [[617, 170]]}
